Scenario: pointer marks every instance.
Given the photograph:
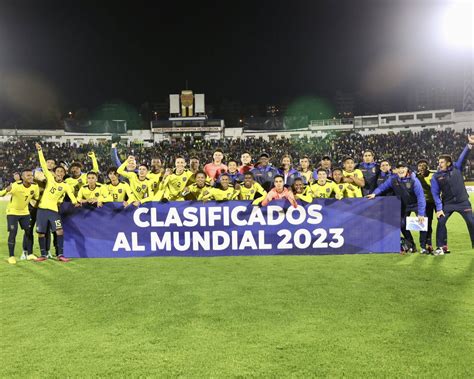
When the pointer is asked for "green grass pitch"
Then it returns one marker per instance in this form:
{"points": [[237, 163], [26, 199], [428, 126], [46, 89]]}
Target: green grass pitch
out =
{"points": [[351, 315]]}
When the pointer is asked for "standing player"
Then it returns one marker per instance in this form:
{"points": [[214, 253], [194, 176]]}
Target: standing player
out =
{"points": [[450, 195], [353, 177], [119, 191], [194, 167], [306, 170], [280, 192], [17, 213], [424, 175], [263, 173], [289, 174], [223, 192], [233, 173], [410, 192], [48, 212], [251, 190], [323, 188], [214, 169], [77, 178], [141, 186], [93, 193], [174, 183], [370, 169], [384, 175], [156, 174], [246, 159]]}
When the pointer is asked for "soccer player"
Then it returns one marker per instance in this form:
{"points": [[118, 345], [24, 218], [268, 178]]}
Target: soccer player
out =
{"points": [[48, 212], [194, 190], [325, 164], [174, 183], [263, 173], [425, 175], [323, 188], [338, 179], [194, 167], [370, 170], [289, 174], [410, 192], [301, 191], [384, 175], [77, 179], [246, 159], [156, 174], [221, 193], [233, 173], [251, 190], [93, 193], [214, 169], [306, 170], [22, 192], [450, 195], [141, 186], [353, 177], [119, 191], [279, 191]]}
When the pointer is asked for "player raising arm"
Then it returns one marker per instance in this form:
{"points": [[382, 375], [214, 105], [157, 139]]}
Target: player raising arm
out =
{"points": [[77, 178], [141, 186], [22, 192], [119, 191], [48, 212]]}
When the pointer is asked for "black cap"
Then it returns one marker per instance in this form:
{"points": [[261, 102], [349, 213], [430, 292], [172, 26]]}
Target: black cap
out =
{"points": [[264, 155], [347, 158], [402, 164], [423, 160], [326, 157]]}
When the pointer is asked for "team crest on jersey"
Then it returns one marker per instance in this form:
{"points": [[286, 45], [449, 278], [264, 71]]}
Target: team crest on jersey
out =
{"points": [[32, 192], [373, 170], [184, 179], [144, 186], [60, 188], [252, 191], [96, 194], [79, 180], [328, 190], [408, 185], [341, 186], [120, 190], [270, 173]]}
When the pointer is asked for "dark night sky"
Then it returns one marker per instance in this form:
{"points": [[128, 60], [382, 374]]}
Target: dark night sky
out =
{"points": [[253, 51]]}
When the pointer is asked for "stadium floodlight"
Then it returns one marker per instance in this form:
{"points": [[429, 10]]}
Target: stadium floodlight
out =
{"points": [[456, 25]]}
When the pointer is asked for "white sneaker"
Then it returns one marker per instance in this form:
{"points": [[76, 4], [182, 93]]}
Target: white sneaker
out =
{"points": [[438, 251], [24, 256], [49, 255]]}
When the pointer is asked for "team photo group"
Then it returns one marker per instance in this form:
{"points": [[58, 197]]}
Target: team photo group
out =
{"points": [[36, 194]]}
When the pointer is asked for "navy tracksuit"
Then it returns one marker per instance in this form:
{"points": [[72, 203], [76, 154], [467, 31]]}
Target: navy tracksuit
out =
{"points": [[450, 195], [371, 172], [265, 176]]}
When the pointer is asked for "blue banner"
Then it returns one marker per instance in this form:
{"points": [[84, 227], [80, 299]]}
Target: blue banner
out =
{"points": [[194, 229]]}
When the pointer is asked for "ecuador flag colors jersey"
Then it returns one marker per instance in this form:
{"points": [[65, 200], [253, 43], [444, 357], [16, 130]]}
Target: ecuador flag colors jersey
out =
{"points": [[20, 198], [353, 190], [174, 184], [118, 192], [249, 193], [54, 191], [100, 193], [219, 194], [155, 181], [325, 190], [141, 189]]}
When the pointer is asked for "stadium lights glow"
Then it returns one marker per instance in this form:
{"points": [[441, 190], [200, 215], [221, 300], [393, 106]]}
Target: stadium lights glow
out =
{"points": [[456, 24]]}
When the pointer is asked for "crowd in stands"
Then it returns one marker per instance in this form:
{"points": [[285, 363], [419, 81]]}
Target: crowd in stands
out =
{"points": [[407, 146]]}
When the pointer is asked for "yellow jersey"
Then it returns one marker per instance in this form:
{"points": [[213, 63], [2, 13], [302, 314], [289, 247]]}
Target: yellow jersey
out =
{"points": [[118, 192], [141, 189], [54, 191], [308, 175], [353, 190], [342, 189], [306, 196], [173, 185], [20, 198], [100, 193], [77, 183], [251, 192], [325, 190], [219, 194], [194, 192], [155, 180]]}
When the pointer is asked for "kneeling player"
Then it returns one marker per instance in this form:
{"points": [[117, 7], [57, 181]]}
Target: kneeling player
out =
{"points": [[301, 191], [17, 213], [223, 192], [279, 191], [93, 193], [194, 191], [251, 190], [48, 212]]}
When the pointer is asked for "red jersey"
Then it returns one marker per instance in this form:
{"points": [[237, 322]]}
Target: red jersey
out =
{"points": [[214, 171], [285, 194], [246, 168]]}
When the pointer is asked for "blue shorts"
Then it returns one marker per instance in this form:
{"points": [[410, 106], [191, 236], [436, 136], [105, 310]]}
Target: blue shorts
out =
{"points": [[45, 217], [13, 220]]}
